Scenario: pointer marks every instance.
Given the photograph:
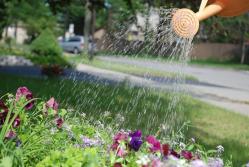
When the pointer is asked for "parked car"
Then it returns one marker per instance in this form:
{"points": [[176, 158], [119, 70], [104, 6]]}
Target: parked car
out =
{"points": [[74, 44]]}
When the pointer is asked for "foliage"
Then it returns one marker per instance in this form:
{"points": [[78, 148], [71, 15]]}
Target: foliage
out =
{"points": [[35, 16], [46, 45], [224, 30], [30, 128], [71, 157]]}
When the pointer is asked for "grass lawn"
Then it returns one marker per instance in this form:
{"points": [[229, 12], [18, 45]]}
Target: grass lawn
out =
{"points": [[229, 64], [143, 109], [221, 64], [125, 68]]}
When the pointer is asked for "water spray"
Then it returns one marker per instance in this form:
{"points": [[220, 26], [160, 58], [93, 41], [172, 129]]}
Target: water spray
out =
{"points": [[185, 22]]}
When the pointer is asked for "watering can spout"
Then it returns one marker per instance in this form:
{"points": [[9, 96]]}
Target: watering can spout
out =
{"points": [[186, 23]]}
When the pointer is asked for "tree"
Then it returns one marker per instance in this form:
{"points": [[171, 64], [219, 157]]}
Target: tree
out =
{"points": [[3, 16]]}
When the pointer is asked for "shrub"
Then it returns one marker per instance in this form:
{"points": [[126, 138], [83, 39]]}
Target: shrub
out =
{"points": [[46, 45]]}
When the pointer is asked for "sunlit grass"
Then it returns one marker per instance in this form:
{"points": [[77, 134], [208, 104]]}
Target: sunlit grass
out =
{"points": [[126, 68]]}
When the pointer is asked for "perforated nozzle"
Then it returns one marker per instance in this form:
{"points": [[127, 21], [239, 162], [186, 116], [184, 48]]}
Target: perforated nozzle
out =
{"points": [[185, 23]]}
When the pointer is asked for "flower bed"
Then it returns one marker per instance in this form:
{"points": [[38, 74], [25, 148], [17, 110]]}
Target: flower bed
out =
{"points": [[38, 133]]}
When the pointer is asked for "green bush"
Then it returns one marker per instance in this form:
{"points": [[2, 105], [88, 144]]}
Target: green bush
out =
{"points": [[46, 45]]}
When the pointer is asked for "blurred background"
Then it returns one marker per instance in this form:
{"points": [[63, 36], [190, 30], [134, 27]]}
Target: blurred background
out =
{"points": [[90, 21]]}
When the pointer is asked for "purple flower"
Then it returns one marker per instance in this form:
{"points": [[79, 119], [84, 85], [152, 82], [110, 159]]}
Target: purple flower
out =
{"points": [[215, 162], [187, 155], [51, 103], [137, 133], [59, 122], [23, 91], [136, 140], [87, 142], [155, 144], [247, 165]]}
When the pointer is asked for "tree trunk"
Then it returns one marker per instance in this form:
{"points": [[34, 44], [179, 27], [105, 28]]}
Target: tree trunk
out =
{"points": [[6, 32], [15, 32], [92, 42], [87, 26], [243, 46]]}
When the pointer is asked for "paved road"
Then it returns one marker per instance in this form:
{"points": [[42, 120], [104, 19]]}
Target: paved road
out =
{"points": [[222, 87]]}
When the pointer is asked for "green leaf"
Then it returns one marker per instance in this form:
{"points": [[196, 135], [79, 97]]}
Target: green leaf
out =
{"points": [[6, 162]]}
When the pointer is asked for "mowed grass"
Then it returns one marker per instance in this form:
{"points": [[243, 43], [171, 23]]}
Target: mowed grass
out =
{"points": [[126, 68], [221, 64], [144, 109]]}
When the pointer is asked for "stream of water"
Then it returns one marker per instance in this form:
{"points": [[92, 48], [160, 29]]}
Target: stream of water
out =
{"points": [[128, 106]]}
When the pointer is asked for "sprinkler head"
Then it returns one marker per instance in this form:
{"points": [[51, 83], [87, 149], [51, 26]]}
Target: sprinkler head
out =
{"points": [[185, 23]]}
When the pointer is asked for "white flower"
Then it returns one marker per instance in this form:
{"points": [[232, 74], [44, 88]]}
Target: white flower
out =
{"points": [[83, 115], [53, 130], [107, 113], [143, 160], [175, 162], [192, 140], [198, 163], [220, 149]]}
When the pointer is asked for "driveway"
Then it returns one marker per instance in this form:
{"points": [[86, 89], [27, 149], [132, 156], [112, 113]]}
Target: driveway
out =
{"points": [[222, 87]]}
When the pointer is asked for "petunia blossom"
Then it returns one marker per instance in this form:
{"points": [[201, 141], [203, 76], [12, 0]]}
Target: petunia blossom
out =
{"points": [[17, 122], [117, 164], [53, 104], [3, 107], [187, 155], [165, 149], [198, 163], [10, 135], [136, 140], [174, 153], [120, 136], [23, 91], [3, 112], [154, 144], [59, 122]]}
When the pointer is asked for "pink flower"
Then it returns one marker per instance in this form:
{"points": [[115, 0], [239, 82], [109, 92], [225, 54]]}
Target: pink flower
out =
{"points": [[187, 155], [156, 163], [3, 107], [121, 152], [155, 144], [117, 164], [10, 135], [3, 112], [23, 91], [59, 122], [16, 122], [51, 103], [120, 136]]}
